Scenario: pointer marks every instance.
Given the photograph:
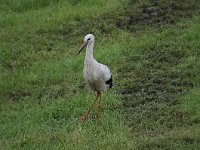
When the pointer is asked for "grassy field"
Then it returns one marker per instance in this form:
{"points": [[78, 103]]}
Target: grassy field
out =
{"points": [[152, 49]]}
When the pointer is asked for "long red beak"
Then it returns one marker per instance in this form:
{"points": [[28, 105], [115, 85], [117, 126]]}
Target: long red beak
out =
{"points": [[84, 44]]}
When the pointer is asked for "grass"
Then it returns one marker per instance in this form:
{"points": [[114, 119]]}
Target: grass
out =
{"points": [[152, 49]]}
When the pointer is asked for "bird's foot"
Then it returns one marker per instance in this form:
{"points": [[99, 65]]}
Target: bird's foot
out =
{"points": [[84, 117]]}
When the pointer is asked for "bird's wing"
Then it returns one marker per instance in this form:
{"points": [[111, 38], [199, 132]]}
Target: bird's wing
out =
{"points": [[103, 72]]}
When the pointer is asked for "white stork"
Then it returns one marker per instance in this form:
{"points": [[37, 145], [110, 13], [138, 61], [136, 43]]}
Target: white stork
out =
{"points": [[97, 76]]}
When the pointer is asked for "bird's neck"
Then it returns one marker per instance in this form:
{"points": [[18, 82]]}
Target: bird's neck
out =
{"points": [[89, 52]]}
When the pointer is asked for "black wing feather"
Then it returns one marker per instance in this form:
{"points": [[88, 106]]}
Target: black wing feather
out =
{"points": [[109, 82]]}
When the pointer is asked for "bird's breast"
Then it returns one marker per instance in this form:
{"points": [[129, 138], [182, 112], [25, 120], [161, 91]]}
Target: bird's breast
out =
{"points": [[88, 69]]}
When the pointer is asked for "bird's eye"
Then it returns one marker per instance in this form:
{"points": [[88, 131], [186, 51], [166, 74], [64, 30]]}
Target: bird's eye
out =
{"points": [[88, 39]]}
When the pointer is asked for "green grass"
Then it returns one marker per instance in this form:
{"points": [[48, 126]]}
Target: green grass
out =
{"points": [[154, 103]]}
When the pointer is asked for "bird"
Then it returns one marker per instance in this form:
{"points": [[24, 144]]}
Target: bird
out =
{"points": [[97, 76]]}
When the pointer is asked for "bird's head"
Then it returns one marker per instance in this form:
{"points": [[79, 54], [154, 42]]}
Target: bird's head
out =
{"points": [[88, 40]]}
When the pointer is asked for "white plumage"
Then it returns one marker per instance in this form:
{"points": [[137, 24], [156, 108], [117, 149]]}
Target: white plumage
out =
{"points": [[97, 76]]}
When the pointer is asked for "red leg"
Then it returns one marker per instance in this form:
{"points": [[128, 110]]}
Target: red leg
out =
{"points": [[85, 116], [99, 109]]}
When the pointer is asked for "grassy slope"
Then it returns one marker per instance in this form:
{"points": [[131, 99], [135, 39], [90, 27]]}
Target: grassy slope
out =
{"points": [[42, 88]]}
